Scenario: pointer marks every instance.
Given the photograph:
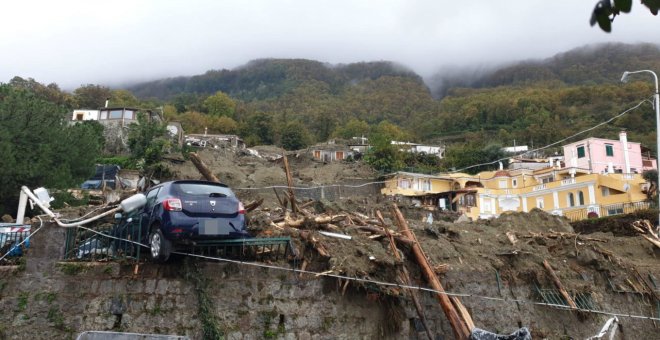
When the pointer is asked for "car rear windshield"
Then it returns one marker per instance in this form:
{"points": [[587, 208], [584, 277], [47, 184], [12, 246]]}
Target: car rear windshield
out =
{"points": [[200, 189]]}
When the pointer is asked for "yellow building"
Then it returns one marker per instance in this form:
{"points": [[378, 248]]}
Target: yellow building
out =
{"points": [[571, 192]]}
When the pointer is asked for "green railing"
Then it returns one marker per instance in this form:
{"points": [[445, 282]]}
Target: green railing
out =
{"points": [[124, 240]]}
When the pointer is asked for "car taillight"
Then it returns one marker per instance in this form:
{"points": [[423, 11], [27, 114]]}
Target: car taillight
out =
{"points": [[172, 204], [241, 208]]}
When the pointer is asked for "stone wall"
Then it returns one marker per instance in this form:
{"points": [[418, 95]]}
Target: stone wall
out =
{"points": [[48, 299]]}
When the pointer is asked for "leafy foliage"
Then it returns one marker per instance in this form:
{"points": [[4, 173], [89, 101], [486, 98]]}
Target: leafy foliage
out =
{"points": [[91, 96], [294, 136], [220, 104], [38, 147], [147, 141], [606, 10]]}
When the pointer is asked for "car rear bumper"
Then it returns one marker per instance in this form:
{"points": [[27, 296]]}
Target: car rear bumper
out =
{"points": [[187, 230]]}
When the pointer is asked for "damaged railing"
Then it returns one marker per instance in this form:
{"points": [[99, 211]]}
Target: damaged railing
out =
{"points": [[104, 242], [125, 241], [554, 297], [14, 242]]}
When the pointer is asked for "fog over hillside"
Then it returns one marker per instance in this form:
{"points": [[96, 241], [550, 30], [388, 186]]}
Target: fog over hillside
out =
{"points": [[81, 42]]}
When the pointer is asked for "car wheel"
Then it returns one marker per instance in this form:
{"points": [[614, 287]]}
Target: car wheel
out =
{"points": [[160, 246]]}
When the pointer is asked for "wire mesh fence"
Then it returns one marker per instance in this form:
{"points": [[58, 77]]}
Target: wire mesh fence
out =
{"points": [[332, 192]]}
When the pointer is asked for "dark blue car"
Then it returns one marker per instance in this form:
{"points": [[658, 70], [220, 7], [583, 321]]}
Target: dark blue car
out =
{"points": [[179, 213]]}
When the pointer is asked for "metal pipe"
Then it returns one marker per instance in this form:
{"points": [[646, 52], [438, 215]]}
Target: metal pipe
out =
{"points": [[36, 200], [22, 203], [656, 98]]}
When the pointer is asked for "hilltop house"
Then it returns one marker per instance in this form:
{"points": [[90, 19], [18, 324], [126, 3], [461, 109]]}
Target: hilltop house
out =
{"points": [[115, 121], [330, 152], [435, 150], [598, 155]]}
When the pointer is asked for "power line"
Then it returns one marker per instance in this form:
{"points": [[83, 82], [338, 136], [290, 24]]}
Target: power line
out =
{"points": [[383, 283], [559, 141]]}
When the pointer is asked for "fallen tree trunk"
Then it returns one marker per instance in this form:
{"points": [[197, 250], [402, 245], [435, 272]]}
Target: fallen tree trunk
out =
{"points": [[557, 282], [405, 278], [202, 168], [458, 324], [289, 182]]}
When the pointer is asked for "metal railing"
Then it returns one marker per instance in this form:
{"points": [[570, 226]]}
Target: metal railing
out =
{"points": [[606, 210], [554, 297], [10, 245], [112, 242]]}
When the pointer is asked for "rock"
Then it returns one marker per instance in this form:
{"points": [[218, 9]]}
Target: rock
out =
{"points": [[462, 218]]}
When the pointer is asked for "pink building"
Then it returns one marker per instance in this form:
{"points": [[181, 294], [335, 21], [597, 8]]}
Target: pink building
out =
{"points": [[598, 155]]}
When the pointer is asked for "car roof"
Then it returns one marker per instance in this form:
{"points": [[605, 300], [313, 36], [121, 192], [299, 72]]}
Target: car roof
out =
{"points": [[192, 181]]}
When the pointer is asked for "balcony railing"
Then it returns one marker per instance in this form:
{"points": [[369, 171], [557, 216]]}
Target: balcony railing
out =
{"points": [[567, 181], [606, 210], [539, 187]]}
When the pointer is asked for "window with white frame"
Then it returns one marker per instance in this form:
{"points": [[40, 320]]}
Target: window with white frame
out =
{"points": [[571, 199], [503, 184], [604, 191], [404, 184], [539, 202], [514, 182]]}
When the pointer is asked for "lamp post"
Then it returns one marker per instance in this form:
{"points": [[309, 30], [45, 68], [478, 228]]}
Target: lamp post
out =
{"points": [[656, 104]]}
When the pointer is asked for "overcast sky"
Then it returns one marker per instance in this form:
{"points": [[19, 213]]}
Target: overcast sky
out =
{"points": [[110, 42]]}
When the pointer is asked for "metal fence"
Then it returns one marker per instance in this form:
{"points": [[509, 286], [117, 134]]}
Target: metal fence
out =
{"points": [[606, 210], [127, 240], [333, 192], [14, 243], [554, 297]]}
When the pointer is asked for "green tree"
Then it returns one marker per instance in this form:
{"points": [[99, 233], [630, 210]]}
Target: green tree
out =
{"points": [[473, 157], [294, 136], [353, 128], [220, 104], [91, 96], [258, 129], [123, 98], [383, 156], [147, 141], [38, 147]]}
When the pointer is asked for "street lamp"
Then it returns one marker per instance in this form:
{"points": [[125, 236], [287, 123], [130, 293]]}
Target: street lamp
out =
{"points": [[656, 103]]}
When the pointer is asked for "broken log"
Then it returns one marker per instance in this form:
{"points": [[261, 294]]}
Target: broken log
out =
{"points": [[289, 182], [202, 168], [560, 287], [554, 235], [253, 205], [405, 278], [381, 231], [458, 324], [307, 236]]}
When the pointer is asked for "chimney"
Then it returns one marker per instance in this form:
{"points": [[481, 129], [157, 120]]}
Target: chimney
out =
{"points": [[623, 138]]}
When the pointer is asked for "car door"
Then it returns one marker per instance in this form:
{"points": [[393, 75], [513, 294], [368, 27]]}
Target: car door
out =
{"points": [[147, 217]]}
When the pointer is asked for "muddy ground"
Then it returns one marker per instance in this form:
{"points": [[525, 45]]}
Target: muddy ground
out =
{"points": [[587, 258], [605, 252]]}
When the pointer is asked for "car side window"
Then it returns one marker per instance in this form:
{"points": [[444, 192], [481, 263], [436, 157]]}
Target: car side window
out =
{"points": [[151, 198]]}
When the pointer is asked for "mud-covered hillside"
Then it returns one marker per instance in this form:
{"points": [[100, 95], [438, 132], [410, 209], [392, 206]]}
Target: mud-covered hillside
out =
{"points": [[345, 276]]}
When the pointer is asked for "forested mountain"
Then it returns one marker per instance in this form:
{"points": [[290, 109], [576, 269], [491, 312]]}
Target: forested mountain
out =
{"points": [[268, 78], [597, 64]]}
